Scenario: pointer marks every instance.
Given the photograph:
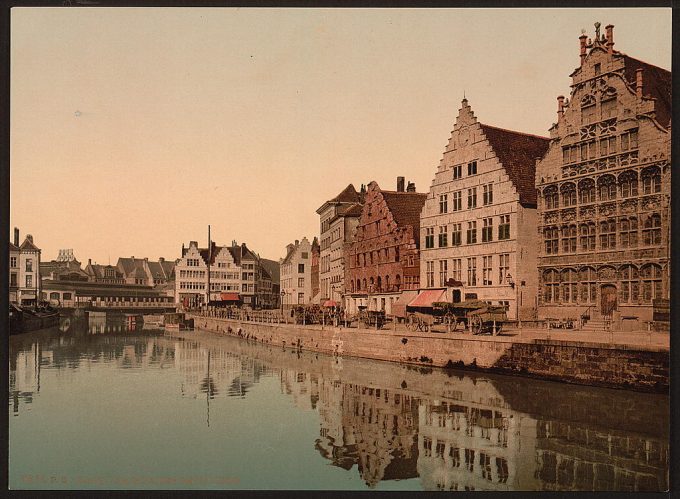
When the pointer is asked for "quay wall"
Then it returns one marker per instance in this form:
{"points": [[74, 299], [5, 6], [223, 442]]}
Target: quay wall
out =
{"points": [[634, 367]]}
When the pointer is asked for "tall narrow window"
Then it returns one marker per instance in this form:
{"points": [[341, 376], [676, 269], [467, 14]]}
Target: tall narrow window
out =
{"points": [[429, 237], [456, 204], [456, 234], [457, 171], [569, 286], [472, 198], [504, 228], [456, 269], [472, 271], [430, 274], [443, 237], [628, 184], [471, 232], [503, 267], [651, 181], [587, 236], [630, 284], [443, 203], [488, 194], [551, 238], [551, 198], [443, 272], [586, 190], [651, 231], [608, 234], [628, 232], [651, 282], [472, 168], [487, 263], [568, 192], [569, 239], [551, 286], [487, 230]]}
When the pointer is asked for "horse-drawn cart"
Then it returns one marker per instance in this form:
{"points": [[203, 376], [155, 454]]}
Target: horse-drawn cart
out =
{"points": [[476, 315]]}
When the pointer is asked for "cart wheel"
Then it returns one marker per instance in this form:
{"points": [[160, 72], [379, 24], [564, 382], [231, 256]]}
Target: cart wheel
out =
{"points": [[476, 326]]}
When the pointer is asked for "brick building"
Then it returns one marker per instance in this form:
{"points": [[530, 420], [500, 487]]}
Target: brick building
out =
{"points": [[383, 260], [604, 190], [478, 224]]}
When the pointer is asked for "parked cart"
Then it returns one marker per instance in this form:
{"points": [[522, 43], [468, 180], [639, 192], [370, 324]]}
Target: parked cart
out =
{"points": [[475, 315]]}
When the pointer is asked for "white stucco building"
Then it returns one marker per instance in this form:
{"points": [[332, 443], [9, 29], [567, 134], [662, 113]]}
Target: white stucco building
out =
{"points": [[296, 273]]}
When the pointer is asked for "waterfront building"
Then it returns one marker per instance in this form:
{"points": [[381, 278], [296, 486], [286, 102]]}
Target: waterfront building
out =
{"points": [[296, 273], [104, 274], [604, 191], [146, 273], [256, 282], [478, 224], [383, 259], [316, 254], [24, 270], [105, 296], [339, 218], [273, 270], [65, 267]]}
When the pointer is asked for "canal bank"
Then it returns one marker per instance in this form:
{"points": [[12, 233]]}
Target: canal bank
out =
{"points": [[616, 365]]}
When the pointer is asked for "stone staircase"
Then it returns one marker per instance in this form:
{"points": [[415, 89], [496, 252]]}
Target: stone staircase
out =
{"points": [[595, 325]]}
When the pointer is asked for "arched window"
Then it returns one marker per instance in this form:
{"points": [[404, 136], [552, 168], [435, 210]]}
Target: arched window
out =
{"points": [[651, 282], [628, 184], [358, 284], [387, 283], [586, 191], [630, 284], [396, 253], [379, 283], [551, 240], [551, 286], [551, 197], [363, 285], [397, 281], [588, 109], [651, 231], [372, 284], [606, 186], [608, 103], [587, 236], [568, 192], [569, 239], [608, 234], [651, 180], [628, 232], [569, 283], [352, 287], [588, 284]]}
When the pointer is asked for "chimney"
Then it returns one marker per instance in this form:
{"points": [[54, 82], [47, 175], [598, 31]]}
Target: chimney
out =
{"points": [[638, 83], [161, 259], [297, 243], [411, 187], [89, 261], [582, 40], [610, 38], [16, 236], [400, 184], [193, 243], [560, 107], [30, 237]]}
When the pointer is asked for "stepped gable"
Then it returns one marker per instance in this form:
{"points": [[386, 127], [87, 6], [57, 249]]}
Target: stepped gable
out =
{"points": [[518, 153], [657, 84], [405, 208]]}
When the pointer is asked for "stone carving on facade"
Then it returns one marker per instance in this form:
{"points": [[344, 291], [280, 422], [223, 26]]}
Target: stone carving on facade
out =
{"points": [[587, 212], [606, 274], [607, 209], [569, 215], [629, 206], [551, 218], [651, 202]]}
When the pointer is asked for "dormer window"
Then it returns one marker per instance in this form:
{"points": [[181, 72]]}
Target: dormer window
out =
{"points": [[598, 69]]}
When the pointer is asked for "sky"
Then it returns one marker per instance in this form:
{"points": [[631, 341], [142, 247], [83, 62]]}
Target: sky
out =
{"points": [[133, 129]]}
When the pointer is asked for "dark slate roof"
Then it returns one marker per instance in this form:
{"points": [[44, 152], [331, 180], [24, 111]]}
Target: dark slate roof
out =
{"points": [[156, 270], [98, 270], [235, 254], [289, 255], [518, 152], [13, 247], [656, 83], [348, 195], [168, 268], [28, 245], [405, 208], [273, 269], [129, 265], [353, 210], [212, 254]]}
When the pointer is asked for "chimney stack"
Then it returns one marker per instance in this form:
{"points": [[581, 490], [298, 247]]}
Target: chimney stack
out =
{"points": [[16, 236], [297, 243], [411, 187], [400, 184], [89, 261], [560, 107], [30, 237], [610, 38], [638, 83], [161, 259], [582, 40]]}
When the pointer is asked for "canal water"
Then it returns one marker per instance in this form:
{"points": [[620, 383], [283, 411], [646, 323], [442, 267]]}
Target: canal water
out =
{"points": [[94, 406]]}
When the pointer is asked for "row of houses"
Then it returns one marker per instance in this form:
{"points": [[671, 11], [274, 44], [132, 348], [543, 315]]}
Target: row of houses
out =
{"points": [[577, 222]]}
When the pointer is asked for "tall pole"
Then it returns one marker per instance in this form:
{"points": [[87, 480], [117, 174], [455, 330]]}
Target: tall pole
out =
{"points": [[209, 258]]}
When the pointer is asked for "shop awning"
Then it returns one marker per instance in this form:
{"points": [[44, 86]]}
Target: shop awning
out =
{"points": [[399, 306], [229, 296], [330, 303], [427, 297]]}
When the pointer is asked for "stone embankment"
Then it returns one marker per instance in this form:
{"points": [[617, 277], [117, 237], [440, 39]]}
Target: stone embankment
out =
{"points": [[634, 367]]}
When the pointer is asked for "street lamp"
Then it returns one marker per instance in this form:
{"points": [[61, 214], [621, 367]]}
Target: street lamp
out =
{"points": [[283, 293]]}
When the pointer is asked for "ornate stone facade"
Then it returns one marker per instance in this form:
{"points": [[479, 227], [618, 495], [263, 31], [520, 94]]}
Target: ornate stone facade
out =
{"points": [[603, 189]]}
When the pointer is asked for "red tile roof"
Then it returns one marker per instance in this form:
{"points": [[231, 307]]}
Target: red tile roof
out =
{"points": [[518, 153], [656, 83], [405, 208]]}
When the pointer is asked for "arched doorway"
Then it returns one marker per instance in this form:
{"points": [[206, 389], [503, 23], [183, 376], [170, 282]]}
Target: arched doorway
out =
{"points": [[607, 299]]}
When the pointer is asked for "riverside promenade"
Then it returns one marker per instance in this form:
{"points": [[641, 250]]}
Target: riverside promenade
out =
{"points": [[631, 360]]}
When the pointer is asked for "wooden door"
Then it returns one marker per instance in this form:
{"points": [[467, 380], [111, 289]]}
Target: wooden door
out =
{"points": [[607, 299]]}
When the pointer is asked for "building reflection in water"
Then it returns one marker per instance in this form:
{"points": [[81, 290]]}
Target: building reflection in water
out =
{"points": [[449, 431]]}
